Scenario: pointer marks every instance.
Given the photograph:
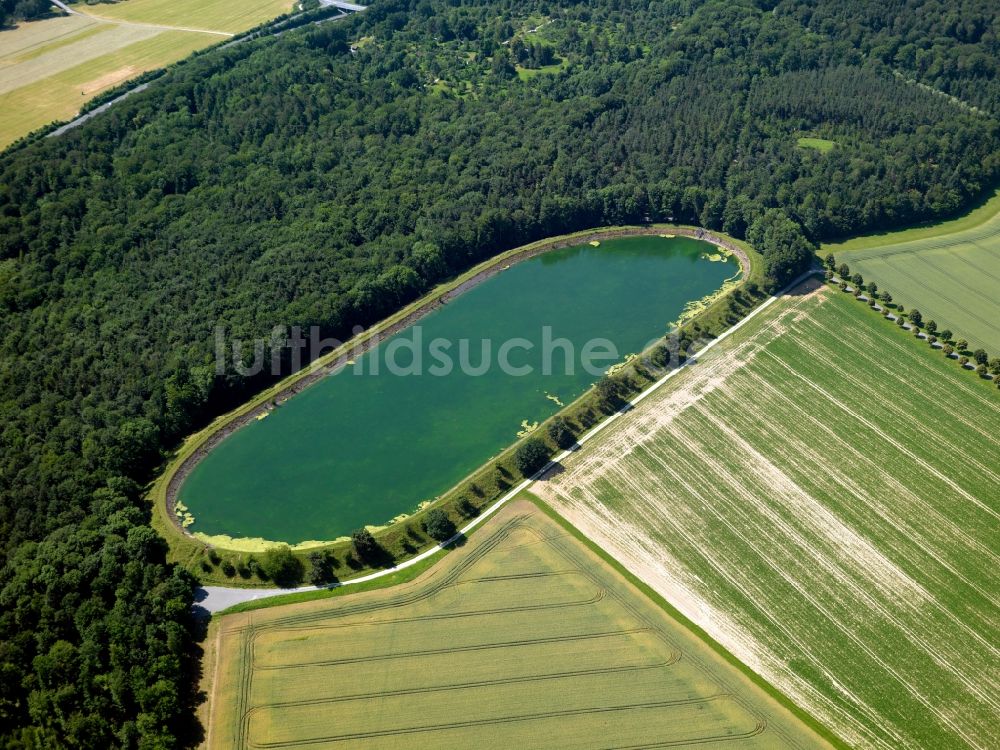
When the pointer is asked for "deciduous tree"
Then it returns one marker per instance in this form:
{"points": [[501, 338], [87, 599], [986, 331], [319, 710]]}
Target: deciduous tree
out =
{"points": [[439, 526], [530, 456]]}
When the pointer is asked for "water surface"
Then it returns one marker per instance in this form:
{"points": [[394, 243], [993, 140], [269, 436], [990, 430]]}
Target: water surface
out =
{"points": [[357, 449]]}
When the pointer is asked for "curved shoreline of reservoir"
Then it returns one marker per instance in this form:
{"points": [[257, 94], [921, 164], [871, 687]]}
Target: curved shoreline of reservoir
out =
{"points": [[166, 490]]}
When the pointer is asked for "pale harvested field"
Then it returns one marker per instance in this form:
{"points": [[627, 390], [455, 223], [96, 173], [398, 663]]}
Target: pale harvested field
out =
{"points": [[31, 39], [50, 68], [521, 639], [821, 495], [218, 15], [60, 94], [90, 40]]}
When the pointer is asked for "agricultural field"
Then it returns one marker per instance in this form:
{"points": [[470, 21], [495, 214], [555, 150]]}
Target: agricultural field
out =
{"points": [[217, 15], [950, 271], [520, 638], [50, 68], [842, 544]]}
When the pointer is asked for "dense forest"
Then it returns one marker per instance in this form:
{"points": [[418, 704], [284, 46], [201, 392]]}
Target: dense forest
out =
{"points": [[950, 45], [328, 176]]}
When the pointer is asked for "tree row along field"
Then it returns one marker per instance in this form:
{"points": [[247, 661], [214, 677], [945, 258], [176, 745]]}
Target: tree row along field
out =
{"points": [[837, 541], [522, 638], [952, 277], [51, 67]]}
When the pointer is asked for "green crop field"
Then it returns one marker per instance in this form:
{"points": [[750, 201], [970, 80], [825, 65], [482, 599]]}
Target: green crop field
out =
{"points": [[50, 68], [842, 543], [950, 272], [522, 638]]}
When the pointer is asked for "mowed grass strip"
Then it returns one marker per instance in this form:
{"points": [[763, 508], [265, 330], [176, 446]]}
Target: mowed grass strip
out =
{"points": [[819, 493], [93, 41], [950, 272], [32, 38], [60, 96], [521, 637], [214, 15]]}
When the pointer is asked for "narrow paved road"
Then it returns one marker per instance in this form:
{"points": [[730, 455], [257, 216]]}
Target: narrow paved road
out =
{"points": [[352, 7], [218, 598], [96, 111]]}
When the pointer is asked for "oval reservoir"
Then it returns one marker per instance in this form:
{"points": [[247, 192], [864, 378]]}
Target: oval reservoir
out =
{"points": [[358, 448]]}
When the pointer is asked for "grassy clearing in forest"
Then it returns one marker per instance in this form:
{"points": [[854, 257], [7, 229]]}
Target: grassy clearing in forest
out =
{"points": [[949, 271], [523, 637], [526, 74], [819, 494], [818, 144]]}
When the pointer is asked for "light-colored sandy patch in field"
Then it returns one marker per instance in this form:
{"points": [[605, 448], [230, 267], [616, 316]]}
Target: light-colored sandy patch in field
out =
{"points": [[696, 383], [107, 80]]}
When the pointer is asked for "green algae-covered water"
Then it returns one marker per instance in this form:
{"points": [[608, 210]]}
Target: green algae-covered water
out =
{"points": [[359, 448]]}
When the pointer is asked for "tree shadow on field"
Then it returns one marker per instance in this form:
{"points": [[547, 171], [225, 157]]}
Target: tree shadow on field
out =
{"points": [[554, 470], [188, 729], [806, 286], [984, 197]]}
